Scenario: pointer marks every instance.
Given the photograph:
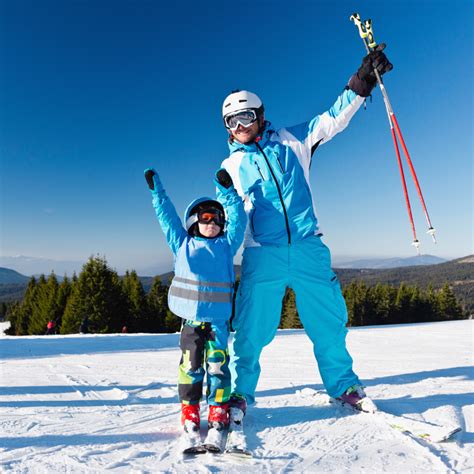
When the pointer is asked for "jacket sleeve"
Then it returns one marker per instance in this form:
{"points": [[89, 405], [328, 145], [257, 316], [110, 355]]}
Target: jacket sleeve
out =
{"points": [[169, 220], [319, 130], [236, 216]]}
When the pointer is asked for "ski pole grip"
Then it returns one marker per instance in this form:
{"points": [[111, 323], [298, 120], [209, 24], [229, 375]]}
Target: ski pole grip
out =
{"points": [[370, 34], [355, 17]]}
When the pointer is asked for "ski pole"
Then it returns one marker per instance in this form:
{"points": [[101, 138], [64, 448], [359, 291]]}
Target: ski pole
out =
{"points": [[366, 33], [371, 44]]}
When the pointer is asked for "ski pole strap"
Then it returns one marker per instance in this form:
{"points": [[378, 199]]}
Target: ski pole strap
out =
{"points": [[355, 17], [370, 34]]}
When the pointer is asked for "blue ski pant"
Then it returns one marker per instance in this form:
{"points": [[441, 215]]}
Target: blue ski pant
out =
{"points": [[204, 351], [267, 271]]}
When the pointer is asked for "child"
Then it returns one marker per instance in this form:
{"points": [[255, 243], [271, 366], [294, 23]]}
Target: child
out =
{"points": [[201, 293]]}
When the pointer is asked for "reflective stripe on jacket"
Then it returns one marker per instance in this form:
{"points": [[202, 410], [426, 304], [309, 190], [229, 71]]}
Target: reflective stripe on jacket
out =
{"points": [[202, 288]]}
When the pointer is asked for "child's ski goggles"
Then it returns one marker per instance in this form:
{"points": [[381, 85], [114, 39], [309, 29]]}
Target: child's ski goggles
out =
{"points": [[242, 117], [211, 214]]}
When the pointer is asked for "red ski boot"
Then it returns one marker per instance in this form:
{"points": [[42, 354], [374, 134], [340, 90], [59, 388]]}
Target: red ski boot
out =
{"points": [[218, 415], [190, 418], [191, 437]]}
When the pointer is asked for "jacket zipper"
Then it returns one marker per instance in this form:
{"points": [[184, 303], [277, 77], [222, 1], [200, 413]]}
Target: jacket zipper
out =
{"points": [[279, 192], [260, 171], [279, 164]]}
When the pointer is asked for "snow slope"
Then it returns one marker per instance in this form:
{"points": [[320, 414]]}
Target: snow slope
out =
{"points": [[90, 403]]}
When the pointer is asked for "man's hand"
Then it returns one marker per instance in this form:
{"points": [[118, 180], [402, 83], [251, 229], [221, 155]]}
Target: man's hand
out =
{"points": [[364, 80], [376, 59]]}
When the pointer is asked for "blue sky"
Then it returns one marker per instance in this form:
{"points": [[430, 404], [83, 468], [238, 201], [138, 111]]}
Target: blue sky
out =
{"points": [[93, 92]]}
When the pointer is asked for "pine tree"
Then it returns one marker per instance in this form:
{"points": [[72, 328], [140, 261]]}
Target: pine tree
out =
{"points": [[63, 294], [157, 306], [97, 295], [448, 306], [403, 304], [433, 304], [357, 302], [25, 311], [380, 296], [289, 313], [3, 310], [172, 322], [136, 319], [45, 305], [13, 316]]}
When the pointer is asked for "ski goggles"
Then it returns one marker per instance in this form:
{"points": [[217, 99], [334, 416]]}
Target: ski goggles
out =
{"points": [[243, 117], [211, 214]]}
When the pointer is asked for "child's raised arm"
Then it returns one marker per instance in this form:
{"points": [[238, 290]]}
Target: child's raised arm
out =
{"points": [[234, 208], [165, 211]]}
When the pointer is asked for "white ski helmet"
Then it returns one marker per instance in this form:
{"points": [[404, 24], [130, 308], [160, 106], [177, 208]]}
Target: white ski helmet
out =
{"points": [[241, 100]]}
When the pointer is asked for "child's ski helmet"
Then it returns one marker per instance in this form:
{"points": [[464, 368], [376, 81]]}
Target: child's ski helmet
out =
{"points": [[191, 215]]}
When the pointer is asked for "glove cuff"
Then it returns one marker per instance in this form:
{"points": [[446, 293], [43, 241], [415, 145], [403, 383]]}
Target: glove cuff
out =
{"points": [[362, 87]]}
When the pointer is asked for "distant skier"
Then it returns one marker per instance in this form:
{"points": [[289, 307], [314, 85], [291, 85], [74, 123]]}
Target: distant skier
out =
{"points": [[201, 293], [50, 328], [283, 247]]}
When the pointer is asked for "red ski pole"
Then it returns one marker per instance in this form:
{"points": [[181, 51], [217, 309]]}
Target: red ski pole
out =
{"points": [[365, 32], [431, 230]]}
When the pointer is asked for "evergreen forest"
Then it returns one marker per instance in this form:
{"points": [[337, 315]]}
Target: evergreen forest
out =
{"points": [[99, 301]]}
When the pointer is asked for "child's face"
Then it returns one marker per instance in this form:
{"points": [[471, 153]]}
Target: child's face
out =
{"points": [[209, 230]]}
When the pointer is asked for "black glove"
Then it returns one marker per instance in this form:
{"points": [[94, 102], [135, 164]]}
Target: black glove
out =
{"points": [[223, 178], [153, 180], [364, 80], [149, 173]]}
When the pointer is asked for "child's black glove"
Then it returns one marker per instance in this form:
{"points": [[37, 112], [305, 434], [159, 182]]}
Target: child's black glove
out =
{"points": [[223, 178], [153, 180]]}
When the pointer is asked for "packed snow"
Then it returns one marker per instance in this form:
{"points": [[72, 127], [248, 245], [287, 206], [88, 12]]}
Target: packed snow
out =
{"points": [[95, 403]]}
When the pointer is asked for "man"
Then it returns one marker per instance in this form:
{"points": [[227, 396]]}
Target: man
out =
{"points": [[283, 247]]}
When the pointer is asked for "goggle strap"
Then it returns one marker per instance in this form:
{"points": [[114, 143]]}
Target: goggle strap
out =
{"points": [[191, 220]]}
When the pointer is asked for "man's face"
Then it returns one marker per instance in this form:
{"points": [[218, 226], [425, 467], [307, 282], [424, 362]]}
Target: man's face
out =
{"points": [[246, 134]]}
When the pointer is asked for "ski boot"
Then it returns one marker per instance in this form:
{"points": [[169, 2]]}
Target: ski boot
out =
{"points": [[191, 437], [236, 441], [238, 407], [356, 397], [218, 421]]}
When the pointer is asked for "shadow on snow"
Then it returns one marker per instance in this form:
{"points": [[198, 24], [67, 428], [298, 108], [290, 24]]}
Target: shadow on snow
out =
{"points": [[26, 347]]}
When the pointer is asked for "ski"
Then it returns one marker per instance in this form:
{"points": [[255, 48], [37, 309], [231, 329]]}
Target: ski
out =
{"points": [[190, 441], [418, 429], [215, 439], [237, 445]]}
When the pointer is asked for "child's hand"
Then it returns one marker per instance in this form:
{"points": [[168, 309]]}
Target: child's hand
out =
{"points": [[223, 178], [153, 180]]}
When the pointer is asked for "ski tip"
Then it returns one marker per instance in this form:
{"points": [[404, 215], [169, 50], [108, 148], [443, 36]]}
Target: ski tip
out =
{"points": [[192, 451], [448, 436], [212, 448]]}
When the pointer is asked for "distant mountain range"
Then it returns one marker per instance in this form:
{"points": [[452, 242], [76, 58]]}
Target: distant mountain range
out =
{"points": [[379, 263], [37, 266], [8, 276]]}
